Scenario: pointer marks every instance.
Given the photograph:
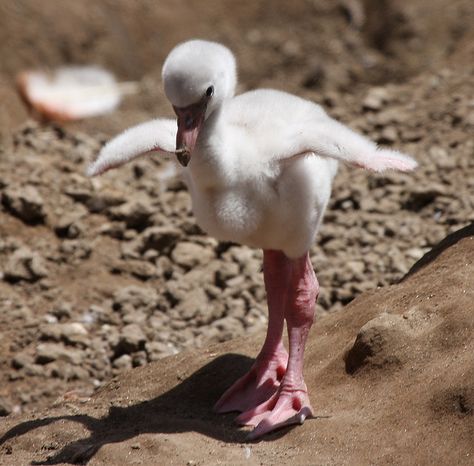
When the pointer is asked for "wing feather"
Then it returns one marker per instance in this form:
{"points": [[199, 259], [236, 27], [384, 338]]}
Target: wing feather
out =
{"points": [[329, 138], [153, 136], [294, 127]]}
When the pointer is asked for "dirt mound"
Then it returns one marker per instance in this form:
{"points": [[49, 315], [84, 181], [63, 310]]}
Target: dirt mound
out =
{"points": [[392, 380]]}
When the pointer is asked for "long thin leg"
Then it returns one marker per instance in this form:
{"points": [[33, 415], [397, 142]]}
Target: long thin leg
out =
{"points": [[290, 404], [263, 379]]}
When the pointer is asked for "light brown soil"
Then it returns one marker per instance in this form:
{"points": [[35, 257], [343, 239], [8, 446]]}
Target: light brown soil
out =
{"points": [[97, 277]]}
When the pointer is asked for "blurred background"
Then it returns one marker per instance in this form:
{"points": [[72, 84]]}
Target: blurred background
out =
{"points": [[311, 46], [98, 276]]}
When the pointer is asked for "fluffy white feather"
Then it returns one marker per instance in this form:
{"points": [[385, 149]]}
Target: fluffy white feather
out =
{"points": [[263, 164], [156, 135]]}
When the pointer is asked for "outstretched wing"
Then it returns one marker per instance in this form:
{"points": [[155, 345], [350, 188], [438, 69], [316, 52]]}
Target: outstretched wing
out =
{"points": [[156, 135], [294, 127], [328, 138]]}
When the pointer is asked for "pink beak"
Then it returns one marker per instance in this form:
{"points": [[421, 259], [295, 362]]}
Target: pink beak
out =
{"points": [[190, 121]]}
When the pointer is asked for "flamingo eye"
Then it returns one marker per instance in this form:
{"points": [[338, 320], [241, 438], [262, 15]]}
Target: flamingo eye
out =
{"points": [[210, 91]]}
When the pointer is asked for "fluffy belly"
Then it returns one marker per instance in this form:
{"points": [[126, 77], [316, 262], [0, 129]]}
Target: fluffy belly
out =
{"points": [[230, 215], [280, 213], [245, 219]]}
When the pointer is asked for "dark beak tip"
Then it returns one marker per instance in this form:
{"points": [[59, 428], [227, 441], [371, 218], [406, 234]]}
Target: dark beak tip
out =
{"points": [[183, 158]]}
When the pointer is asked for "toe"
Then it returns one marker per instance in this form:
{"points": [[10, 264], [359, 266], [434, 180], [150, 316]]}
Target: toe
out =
{"points": [[276, 421], [282, 409]]}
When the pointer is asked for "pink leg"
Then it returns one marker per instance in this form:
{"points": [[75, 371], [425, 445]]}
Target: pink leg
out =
{"points": [[263, 379], [290, 404]]}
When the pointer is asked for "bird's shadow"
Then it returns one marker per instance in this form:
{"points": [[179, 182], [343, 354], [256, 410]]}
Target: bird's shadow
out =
{"points": [[185, 408]]}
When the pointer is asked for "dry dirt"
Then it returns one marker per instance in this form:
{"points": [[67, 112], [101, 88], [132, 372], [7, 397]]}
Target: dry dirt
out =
{"points": [[99, 276]]}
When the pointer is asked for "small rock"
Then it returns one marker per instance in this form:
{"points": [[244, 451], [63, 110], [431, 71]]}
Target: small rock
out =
{"points": [[160, 239], [377, 344], [131, 339], [134, 297], [415, 253], [75, 249], [229, 327], [73, 332], [5, 407], [50, 331], [26, 265], [195, 302], [356, 267], [78, 373], [189, 255], [412, 135], [21, 360], [48, 352], [134, 317], [113, 229], [375, 98], [136, 214], [98, 201], [291, 49], [388, 135], [157, 350], [139, 359], [390, 116], [62, 310], [123, 362], [50, 319], [65, 371], [140, 269], [227, 270], [69, 225], [25, 314], [130, 234], [25, 203], [34, 370]]}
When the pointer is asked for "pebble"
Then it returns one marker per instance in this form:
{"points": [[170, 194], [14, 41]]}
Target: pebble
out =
{"points": [[48, 352], [5, 407], [375, 98], [159, 238], [189, 255], [131, 339], [135, 297], [21, 360], [136, 214], [68, 225], [25, 264], [26, 203], [123, 362]]}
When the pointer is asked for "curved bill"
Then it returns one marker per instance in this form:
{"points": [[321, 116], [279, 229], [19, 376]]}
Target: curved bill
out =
{"points": [[190, 121]]}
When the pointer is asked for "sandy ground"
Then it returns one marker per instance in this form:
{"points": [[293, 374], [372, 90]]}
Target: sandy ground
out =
{"points": [[97, 277]]}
